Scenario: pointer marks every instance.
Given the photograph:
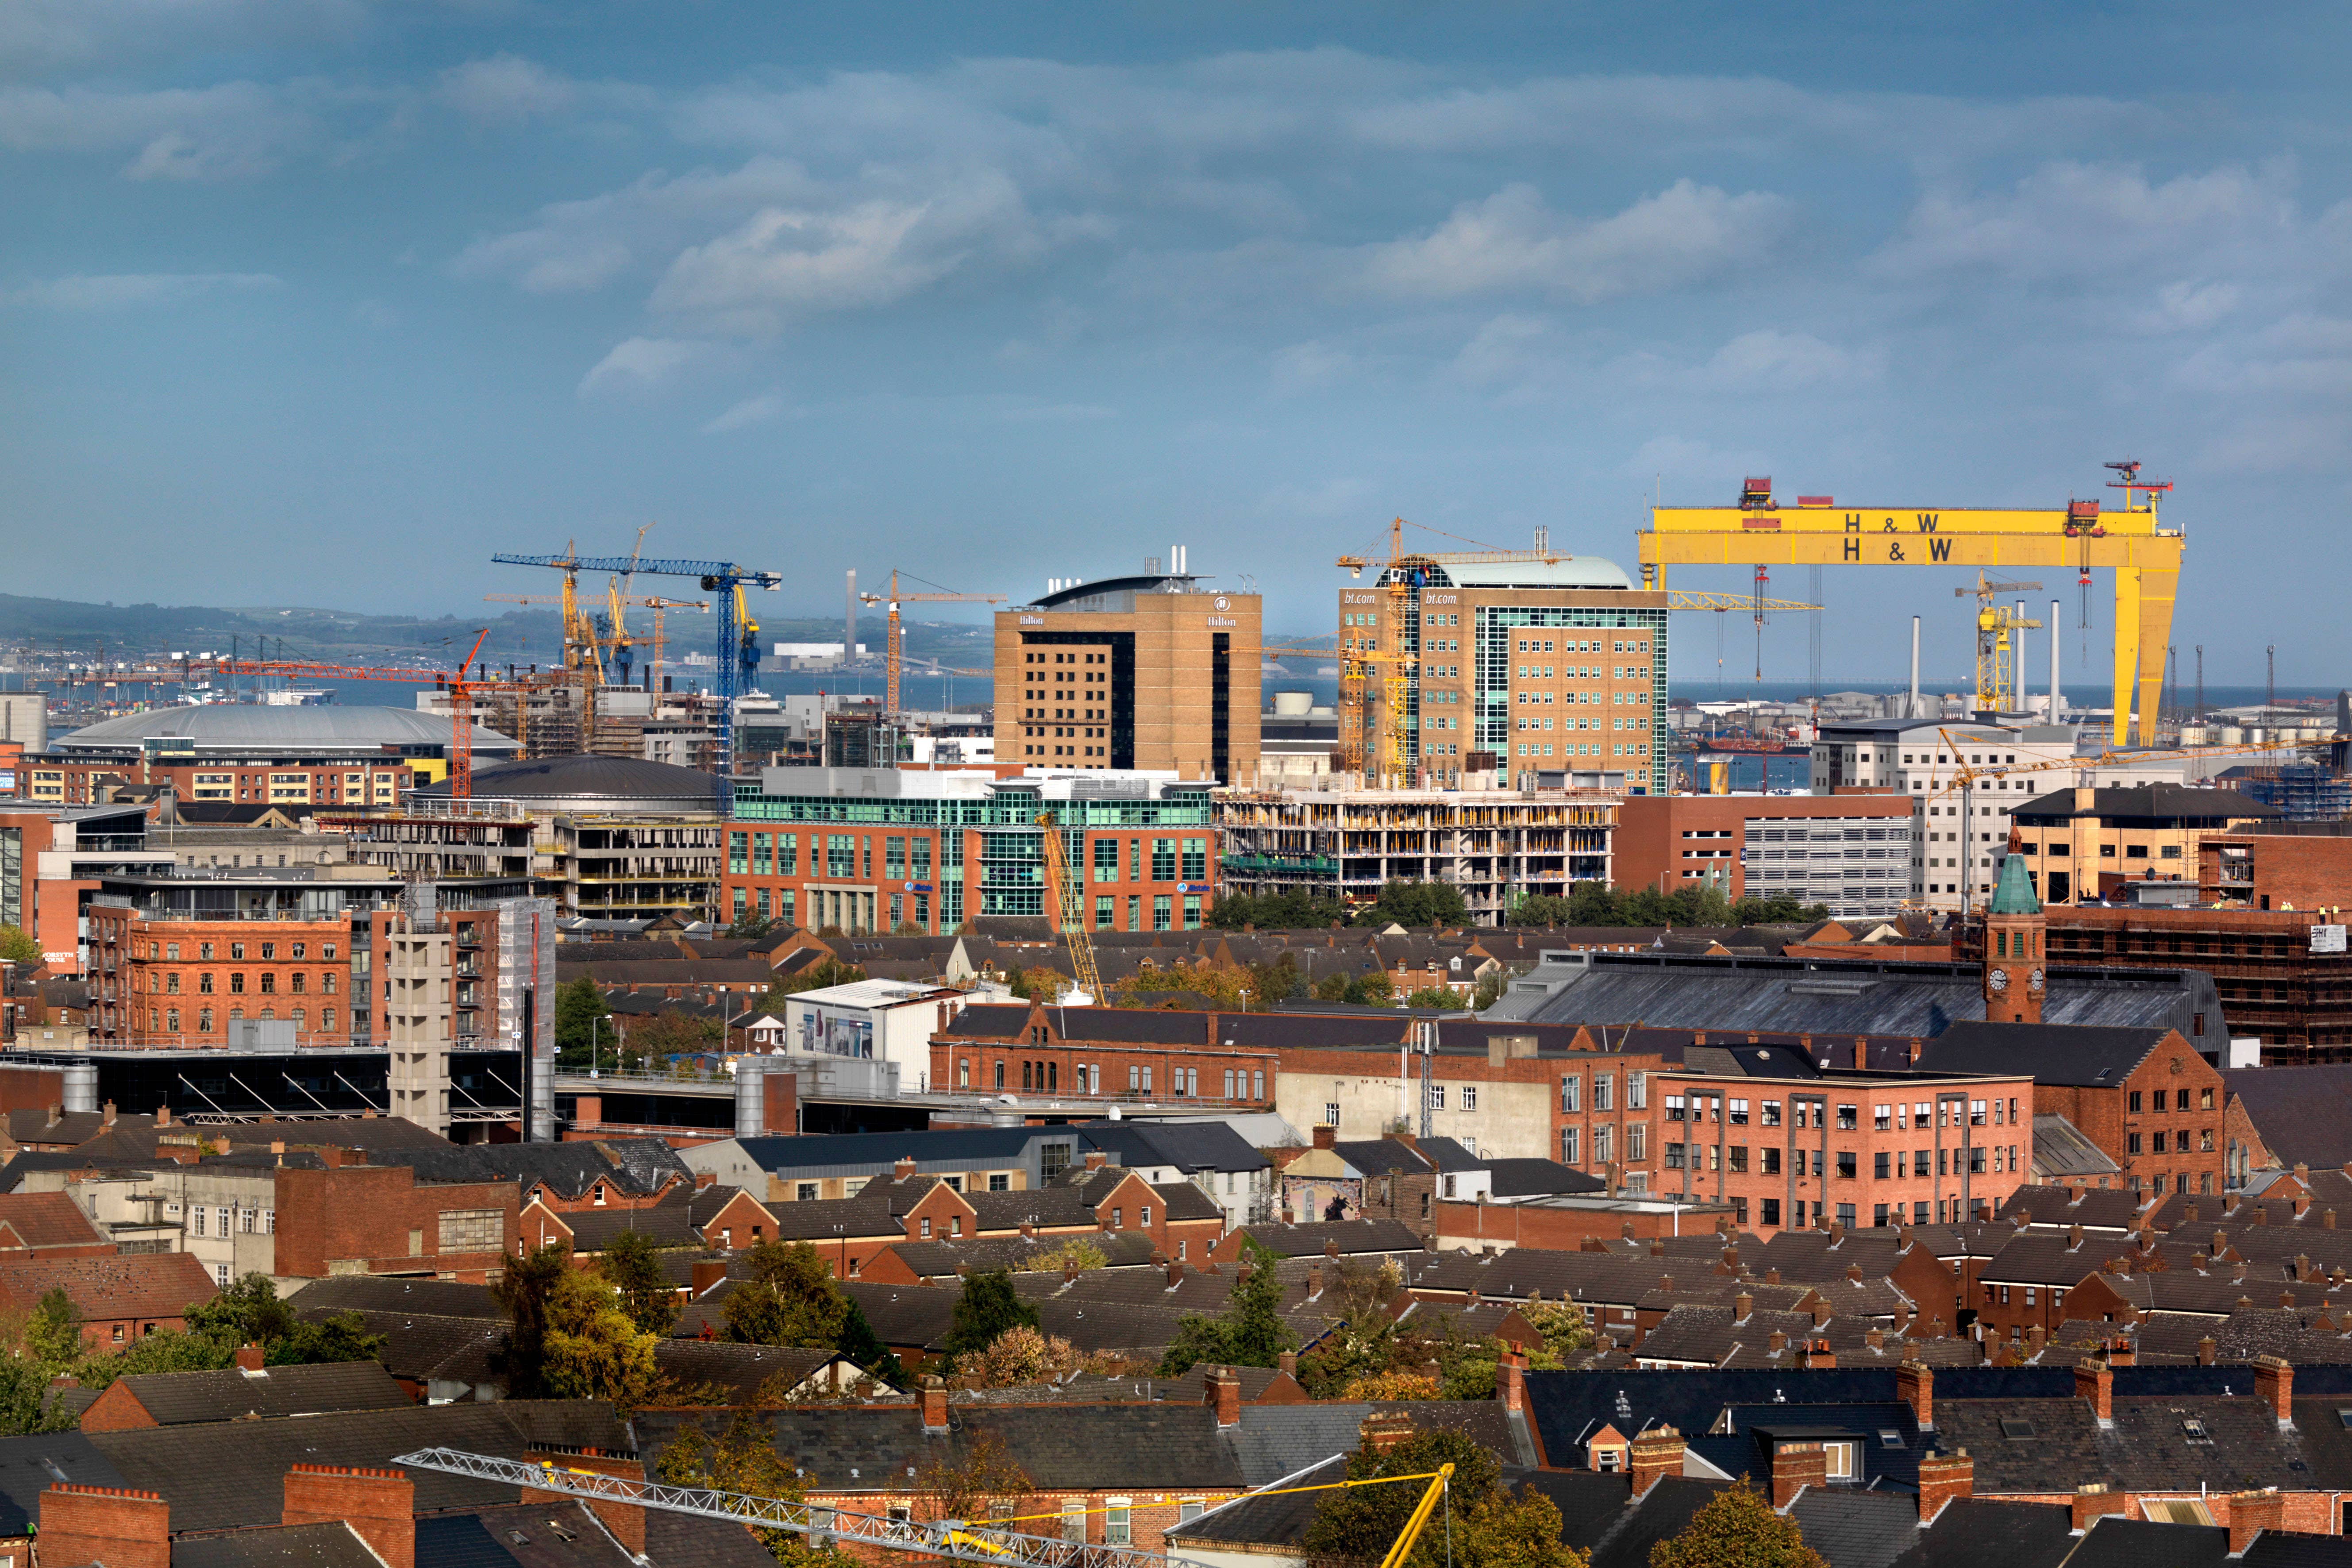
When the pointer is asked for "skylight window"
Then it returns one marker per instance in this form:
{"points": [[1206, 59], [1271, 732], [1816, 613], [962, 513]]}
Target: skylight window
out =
{"points": [[2016, 1429], [1888, 1437]]}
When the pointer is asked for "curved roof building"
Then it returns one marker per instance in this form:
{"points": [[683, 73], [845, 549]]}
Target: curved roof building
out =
{"points": [[619, 786], [235, 727]]}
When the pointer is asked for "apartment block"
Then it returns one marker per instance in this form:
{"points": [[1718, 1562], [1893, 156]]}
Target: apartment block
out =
{"points": [[1850, 851], [880, 850], [2080, 843], [1495, 845], [1153, 672], [1519, 665], [1961, 835]]}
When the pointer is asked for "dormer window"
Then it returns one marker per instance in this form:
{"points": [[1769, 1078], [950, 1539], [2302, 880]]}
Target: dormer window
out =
{"points": [[599, 1194]]}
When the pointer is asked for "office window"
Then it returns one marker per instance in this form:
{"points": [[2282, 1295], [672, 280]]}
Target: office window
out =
{"points": [[1878, 1169], [1637, 1140], [1849, 1118], [1604, 1091], [1772, 1211], [1572, 1093], [1845, 1165], [473, 1230], [1568, 1141], [1436, 1097], [1469, 1097]]}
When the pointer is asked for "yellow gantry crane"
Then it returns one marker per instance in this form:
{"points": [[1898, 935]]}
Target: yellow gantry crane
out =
{"points": [[2144, 554], [1069, 906], [893, 641]]}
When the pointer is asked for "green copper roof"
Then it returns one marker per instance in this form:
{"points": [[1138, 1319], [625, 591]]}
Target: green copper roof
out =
{"points": [[2015, 894]]}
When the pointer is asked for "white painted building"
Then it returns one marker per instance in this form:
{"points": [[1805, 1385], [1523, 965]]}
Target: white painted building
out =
{"points": [[871, 1020]]}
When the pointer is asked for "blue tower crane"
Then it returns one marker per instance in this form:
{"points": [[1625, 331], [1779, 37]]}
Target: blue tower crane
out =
{"points": [[737, 656]]}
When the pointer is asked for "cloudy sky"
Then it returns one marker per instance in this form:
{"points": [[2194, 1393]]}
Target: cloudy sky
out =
{"points": [[323, 301]]}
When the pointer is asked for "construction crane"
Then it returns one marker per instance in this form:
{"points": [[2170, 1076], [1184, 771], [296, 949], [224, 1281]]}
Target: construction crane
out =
{"points": [[1069, 905], [892, 642], [958, 1540], [720, 579], [620, 642], [1996, 651], [2143, 554], [460, 686]]}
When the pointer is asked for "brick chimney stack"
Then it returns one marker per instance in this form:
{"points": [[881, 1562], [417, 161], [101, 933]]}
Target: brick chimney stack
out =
{"points": [[2093, 1498], [1942, 1478], [933, 1397], [2251, 1514], [1655, 1454], [904, 1168], [1221, 1391], [117, 1526], [2274, 1385], [1097, 1159], [1914, 1384], [1383, 1430], [1510, 1381], [1795, 1467], [249, 1358], [379, 1505], [2094, 1382], [1326, 1135]]}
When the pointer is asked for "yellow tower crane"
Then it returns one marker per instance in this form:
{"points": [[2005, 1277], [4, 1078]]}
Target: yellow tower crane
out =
{"points": [[1996, 648], [893, 642], [1069, 906]]}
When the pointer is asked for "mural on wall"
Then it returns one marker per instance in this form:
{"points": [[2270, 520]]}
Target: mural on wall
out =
{"points": [[1313, 1197], [839, 1035]]}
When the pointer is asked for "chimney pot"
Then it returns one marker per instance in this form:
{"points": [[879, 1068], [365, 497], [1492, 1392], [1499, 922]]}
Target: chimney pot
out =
{"points": [[249, 1358], [1654, 1454], [1221, 1391], [2274, 1384], [2251, 1514], [1942, 1478], [933, 1397]]}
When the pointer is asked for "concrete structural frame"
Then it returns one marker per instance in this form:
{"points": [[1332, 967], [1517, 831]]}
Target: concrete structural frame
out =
{"points": [[1953, 863], [1495, 846], [1152, 672], [1541, 665]]}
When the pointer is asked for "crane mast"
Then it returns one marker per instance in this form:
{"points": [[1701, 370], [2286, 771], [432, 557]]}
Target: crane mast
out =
{"points": [[1069, 905]]}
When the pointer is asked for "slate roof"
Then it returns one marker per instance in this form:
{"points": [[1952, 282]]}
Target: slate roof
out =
{"points": [[1841, 998], [1661, 1514], [900, 1314], [441, 1297], [1376, 1156], [181, 1398], [945, 1149], [1968, 1532], [1273, 1440], [938, 1259], [1189, 1146], [2164, 801], [422, 1347], [2052, 1052], [2146, 1450], [1857, 1529], [31, 1465], [2059, 1149], [214, 1485], [664, 1224], [2304, 1114], [1352, 1235], [561, 1533], [1261, 1521], [32, 1125], [634, 1165], [2126, 1541], [2093, 1208], [740, 1370], [1520, 1178], [332, 1546]]}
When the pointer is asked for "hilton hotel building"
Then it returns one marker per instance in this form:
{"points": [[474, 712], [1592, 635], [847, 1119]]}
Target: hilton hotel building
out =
{"points": [[1528, 668], [1152, 672]]}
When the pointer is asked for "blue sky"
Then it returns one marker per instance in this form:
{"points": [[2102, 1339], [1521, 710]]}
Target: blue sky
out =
{"points": [[322, 302]]}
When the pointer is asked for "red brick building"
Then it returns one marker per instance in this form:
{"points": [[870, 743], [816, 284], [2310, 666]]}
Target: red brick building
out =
{"points": [[381, 1219], [1666, 842], [362, 778], [1129, 1054], [121, 1300], [186, 980]]}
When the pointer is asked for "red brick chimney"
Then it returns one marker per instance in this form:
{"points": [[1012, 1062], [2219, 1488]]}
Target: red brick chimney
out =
{"points": [[1097, 1159], [1175, 1272], [1330, 1247], [2096, 1383], [379, 1505], [1654, 1454], [117, 1526], [2251, 1514], [2274, 1385], [2093, 1498], [1942, 1478], [109, 1114], [1796, 1466], [1819, 1357], [1221, 1391], [1326, 1135], [933, 1398], [705, 1272], [1915, 1385], [626, 1521], [163, 1116], [249, 1358], [904, 1168], [1510, 1381], [1287, 1364]]}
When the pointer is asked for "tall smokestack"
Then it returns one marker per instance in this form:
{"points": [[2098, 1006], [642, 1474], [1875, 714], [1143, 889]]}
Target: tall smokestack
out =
{"points": [[1913, 711], [849, 624], [2017, 657], [2057, 703]]}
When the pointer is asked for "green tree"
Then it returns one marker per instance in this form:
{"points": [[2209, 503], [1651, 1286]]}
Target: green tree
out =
{"points": [[1250, 1332], [1443, 996], [1417, 904], [749, 927], [1491, 1528], [524, 1291], [1737, 1529], [247, 1313], [989, 1306], [163, 1350], [632, 1265], [862, 1345], [744, 1461], [343, 1337], [18, 947], [790, 1298], [1294, 909], [1372, 989], [1332, 988], [655, 1038], [53, 1333], [580, 1022], [24, 1399], [1490, 989]]}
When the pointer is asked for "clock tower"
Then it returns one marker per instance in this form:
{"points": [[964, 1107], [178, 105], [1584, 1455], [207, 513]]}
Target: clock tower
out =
{"points": [[2015, 964]]}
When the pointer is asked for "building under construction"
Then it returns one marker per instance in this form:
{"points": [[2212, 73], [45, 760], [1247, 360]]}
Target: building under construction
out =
{"points": [[1497, 846]]}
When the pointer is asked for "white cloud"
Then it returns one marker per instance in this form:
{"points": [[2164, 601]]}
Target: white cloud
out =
{"points": [[750, 411], [2190, 306], [109, 292], [1513, 241], [639, 365], [1766, 359], [506, 88], [234, 130], [1507, 352]]}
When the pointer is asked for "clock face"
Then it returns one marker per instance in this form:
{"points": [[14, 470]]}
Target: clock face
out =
{"points": [[2035, 980], [1998, 980]]}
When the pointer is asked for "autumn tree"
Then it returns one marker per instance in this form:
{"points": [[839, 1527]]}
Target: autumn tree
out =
{"points": [[1738, 1529], [1491, 1528], [790, 1298], [983, 1483], [1018, 1355], [631, 1264], [744, 1459], [18, 948]]}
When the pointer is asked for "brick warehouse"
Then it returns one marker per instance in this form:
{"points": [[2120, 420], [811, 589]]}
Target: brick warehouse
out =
{"points": [[383, 1219], [891, 849], [1117, 1054], [186, 981]]}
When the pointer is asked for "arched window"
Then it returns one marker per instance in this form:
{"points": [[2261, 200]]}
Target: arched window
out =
{"points": [[236, 982], [172, 1019], [203, 1020]]}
